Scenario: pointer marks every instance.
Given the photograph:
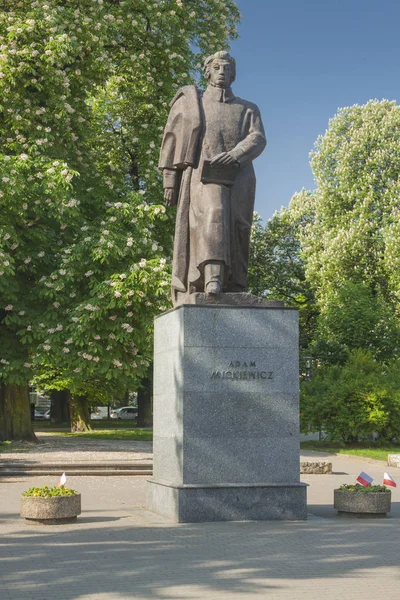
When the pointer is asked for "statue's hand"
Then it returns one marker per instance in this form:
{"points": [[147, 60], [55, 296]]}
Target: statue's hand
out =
{"points": [[224, 159], [170, 196]]}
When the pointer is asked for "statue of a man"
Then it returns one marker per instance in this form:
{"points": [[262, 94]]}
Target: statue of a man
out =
{"points": [[209, 144]]}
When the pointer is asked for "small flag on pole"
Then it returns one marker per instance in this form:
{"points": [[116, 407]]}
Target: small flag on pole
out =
{"points": [[364, 479], [63, 480], [387, 480]]}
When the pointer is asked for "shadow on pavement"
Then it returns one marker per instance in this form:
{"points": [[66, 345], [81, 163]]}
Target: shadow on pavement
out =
{"points": [[161, 559], [99, 519], [326, 511]]}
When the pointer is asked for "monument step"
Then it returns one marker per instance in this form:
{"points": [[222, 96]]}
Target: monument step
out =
{"points": [[9, 469], [86, 473]]}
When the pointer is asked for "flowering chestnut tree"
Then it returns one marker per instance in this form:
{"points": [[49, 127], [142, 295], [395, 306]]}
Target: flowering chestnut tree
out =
{"points": [[350, 230], [84, 237]]}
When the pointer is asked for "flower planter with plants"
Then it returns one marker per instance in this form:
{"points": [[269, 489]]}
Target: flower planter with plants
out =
{"points": [[360, 501], [50, 505]]}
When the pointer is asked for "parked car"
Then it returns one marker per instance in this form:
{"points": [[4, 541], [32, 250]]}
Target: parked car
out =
{"points": [[95, 416], [39, 416], [126, 412]]}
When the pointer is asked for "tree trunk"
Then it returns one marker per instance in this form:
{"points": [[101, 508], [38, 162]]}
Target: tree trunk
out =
{"points": [[59, 409], [145, 405], [80, 413], [15, 413]]}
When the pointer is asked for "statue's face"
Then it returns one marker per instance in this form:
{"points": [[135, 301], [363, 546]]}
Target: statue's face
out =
{"points": [[220, 74]]}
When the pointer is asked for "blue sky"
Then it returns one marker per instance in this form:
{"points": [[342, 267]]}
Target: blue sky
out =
{"points": [[299, 61]]}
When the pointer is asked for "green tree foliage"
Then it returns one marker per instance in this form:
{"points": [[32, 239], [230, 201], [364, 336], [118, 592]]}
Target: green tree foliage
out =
{"points": [[84, 238], [277, 269], [352, 401], [348, 232], [355, 317]]}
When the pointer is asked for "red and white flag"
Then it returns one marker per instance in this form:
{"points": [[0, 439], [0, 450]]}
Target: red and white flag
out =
{"points": [[387, 480], [63, 480], [364, 479]]}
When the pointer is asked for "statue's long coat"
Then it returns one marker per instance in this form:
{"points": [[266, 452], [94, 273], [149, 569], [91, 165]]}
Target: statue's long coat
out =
{"points": [[213, 220]]}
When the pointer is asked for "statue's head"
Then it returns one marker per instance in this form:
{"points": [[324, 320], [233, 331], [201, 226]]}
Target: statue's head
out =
{"points": [[220, 69]]}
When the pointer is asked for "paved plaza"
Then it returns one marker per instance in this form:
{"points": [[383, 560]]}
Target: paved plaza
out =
{"points": [[53, 448], [118, 550]]}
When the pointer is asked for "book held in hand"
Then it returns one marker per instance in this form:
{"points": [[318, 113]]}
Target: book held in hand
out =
{"points": [[222, 174]]}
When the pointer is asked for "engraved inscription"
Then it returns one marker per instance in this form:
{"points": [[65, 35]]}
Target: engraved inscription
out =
{"points": [[242, 371]]}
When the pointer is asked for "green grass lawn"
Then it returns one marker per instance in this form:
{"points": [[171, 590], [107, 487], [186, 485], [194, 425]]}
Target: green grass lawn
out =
{"points": [[95, 424], [15, 447], [98, 433], [5, 446], [123, 430], [139, 435], [367, 450]]}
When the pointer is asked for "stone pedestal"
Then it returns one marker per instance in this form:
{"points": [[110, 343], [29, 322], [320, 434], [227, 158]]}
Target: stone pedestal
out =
{"points": [[226, 415]]}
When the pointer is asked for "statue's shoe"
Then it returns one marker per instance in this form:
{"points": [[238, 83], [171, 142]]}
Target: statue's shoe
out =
{"points": [[213, 288]]}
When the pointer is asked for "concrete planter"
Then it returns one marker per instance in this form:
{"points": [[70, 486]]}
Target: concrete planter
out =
{"points": [[362, 504], [393, 460], [315, 468], [50, 511]]}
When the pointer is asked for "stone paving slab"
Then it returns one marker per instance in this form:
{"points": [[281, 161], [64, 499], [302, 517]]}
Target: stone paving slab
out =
{"points": [[117, 550]]}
